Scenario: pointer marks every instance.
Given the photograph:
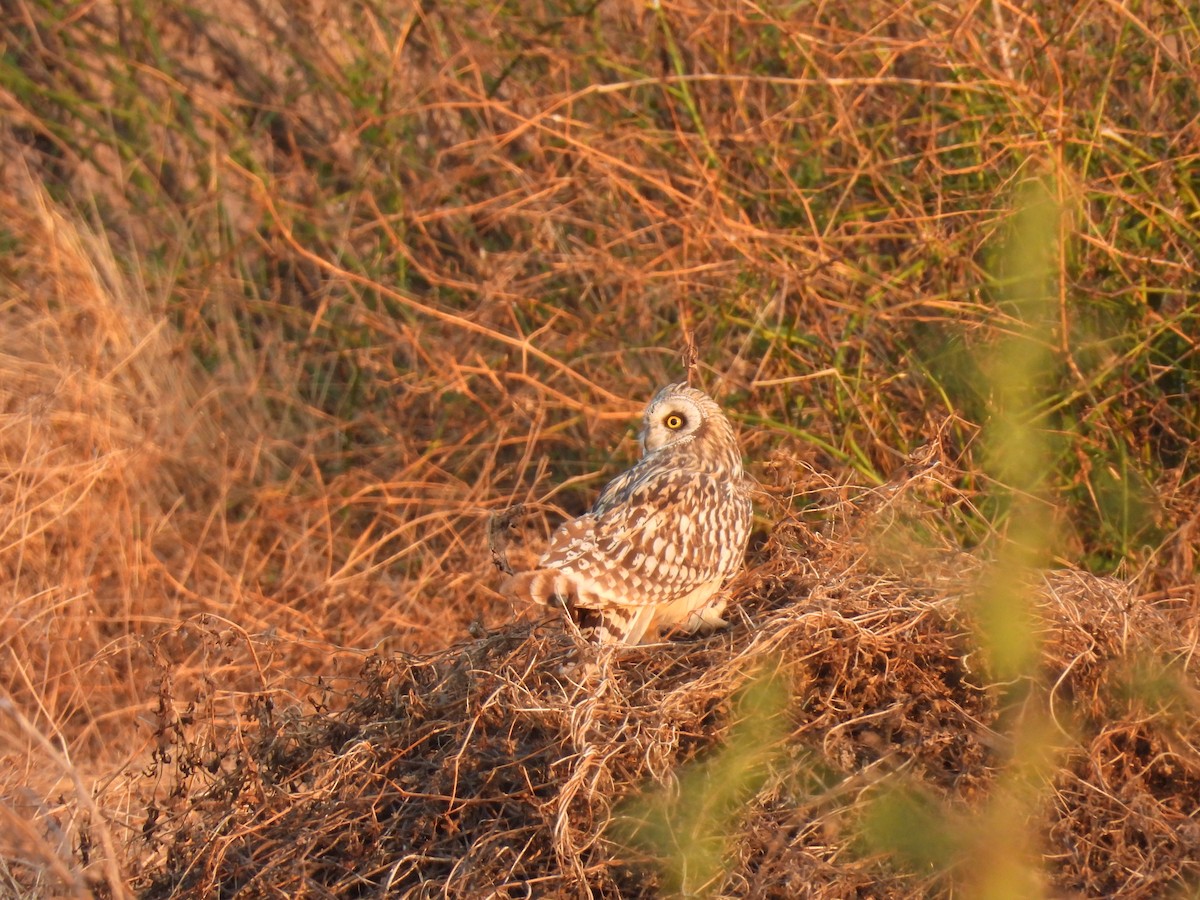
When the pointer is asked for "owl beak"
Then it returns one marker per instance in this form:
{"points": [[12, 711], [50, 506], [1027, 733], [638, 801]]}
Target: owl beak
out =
{"points": [[642, 439]]}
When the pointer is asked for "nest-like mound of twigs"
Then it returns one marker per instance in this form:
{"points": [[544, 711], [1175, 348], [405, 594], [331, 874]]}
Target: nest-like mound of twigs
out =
{"points": [[509, 766]]}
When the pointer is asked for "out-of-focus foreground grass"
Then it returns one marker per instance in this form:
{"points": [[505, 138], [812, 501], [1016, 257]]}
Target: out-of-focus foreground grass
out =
{"points": [[293, 296]]}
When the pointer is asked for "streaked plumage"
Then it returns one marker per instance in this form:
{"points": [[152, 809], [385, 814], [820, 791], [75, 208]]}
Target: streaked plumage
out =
{"points": [[663, 536]]}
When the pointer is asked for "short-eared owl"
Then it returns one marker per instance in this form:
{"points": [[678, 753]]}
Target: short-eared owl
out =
{"points": [[663, 536]]}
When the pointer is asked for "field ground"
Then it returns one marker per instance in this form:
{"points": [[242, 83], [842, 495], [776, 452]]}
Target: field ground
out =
{"points": [[294, 297]]}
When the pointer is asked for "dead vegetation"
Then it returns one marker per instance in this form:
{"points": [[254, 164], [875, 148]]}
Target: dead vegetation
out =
{"points": [[294, 297], [496, 767]]}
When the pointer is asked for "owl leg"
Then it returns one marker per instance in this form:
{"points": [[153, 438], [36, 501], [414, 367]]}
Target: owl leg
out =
{"points": [[640, 620]]}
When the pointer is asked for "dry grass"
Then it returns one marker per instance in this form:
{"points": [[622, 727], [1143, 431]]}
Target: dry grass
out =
{"points": [[496, 766], [294, 297]]}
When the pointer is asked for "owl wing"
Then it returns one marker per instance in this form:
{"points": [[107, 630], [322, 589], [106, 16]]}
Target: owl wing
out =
{"points": [[619, 489], [646, 542]]}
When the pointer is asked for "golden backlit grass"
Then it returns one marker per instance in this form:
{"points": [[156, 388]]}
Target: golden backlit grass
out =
{"points": [[292, 299]]}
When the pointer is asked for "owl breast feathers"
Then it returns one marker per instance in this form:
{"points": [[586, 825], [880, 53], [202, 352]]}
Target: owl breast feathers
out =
{"points": [[663, 536]]}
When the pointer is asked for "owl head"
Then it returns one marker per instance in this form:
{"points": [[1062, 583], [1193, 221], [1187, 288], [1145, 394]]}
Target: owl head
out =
{"points": [[678, 416]]}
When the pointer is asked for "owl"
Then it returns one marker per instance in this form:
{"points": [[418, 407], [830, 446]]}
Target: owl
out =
{"points": [[663, 536]]}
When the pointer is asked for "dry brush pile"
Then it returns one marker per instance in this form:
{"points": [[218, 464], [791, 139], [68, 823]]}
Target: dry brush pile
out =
{"points": [[294, 296], [498, 767]]}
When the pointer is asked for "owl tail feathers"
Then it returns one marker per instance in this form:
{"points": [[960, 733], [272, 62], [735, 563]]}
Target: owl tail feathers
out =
{"points": [[549, 587], [602, 625]]}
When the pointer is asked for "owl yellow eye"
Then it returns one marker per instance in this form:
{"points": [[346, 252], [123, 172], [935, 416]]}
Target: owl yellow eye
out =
{"points": [[674, 421]]}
